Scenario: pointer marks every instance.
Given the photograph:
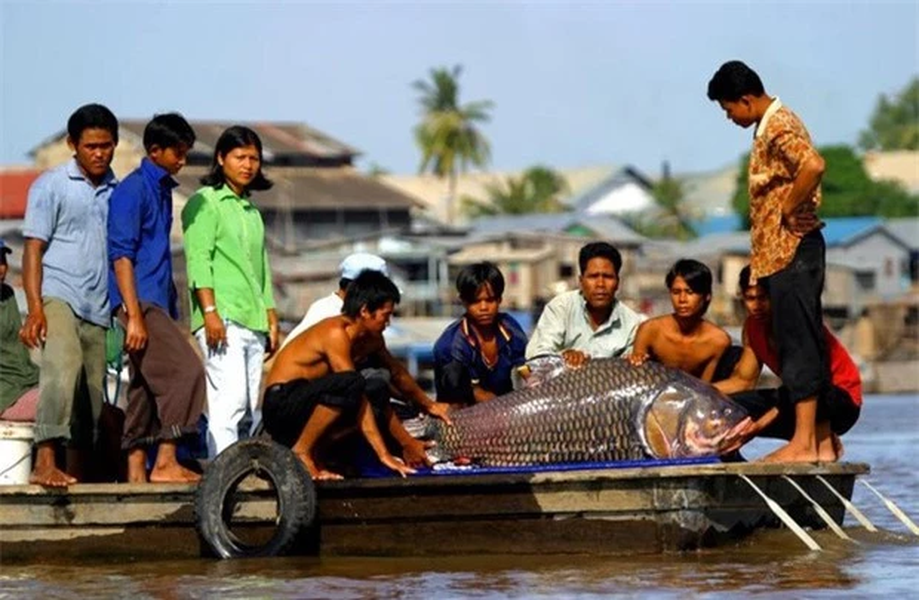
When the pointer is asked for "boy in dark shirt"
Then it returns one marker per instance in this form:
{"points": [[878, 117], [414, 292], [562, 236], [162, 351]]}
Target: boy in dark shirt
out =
{"points": [[167, 390], [476, 355]]}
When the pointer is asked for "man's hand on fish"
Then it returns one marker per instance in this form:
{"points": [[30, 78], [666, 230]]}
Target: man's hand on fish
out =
{"points": [[440, 410], [575, 359], [740, 434], [414, 453], [397, 465], [637, 359]]}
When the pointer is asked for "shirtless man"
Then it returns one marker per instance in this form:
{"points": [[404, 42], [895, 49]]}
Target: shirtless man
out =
{"points": [[313, 380], [684, 339]]}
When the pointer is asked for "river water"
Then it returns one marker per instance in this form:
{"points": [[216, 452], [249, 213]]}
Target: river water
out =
{"points": [[771, 562]]}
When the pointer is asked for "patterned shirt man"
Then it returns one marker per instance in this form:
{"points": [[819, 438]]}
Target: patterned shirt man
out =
{"points": [[781, 144]]}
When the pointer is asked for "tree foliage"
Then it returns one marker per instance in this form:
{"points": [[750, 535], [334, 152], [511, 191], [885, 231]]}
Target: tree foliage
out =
{"points": [[894, 125], [448, 134], [536, 190], [670, 218], [848, 191], [673, 215]]}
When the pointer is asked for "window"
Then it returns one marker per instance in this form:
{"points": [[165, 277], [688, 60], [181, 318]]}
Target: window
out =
{"points": [[865, 280]]}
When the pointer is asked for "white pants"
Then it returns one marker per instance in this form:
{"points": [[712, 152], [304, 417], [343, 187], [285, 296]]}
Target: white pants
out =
{"points": [[234, 376]]}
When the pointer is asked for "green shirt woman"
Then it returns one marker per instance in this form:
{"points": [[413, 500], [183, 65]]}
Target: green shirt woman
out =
{"points": [[232, 303]]}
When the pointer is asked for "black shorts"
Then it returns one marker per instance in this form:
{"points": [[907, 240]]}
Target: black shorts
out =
{"points": [[797, 320], [835, 406], [287, 407]]}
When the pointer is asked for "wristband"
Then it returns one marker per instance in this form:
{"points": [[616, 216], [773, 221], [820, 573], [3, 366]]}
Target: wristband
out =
{"points": [[210, 309]]}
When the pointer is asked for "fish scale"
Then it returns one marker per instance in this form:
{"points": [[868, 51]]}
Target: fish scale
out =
{"points": [[586, 414]]}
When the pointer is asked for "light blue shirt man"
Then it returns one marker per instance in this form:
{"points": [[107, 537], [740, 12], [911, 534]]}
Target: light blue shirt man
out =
{"points": [[70, 214], [565, 325]]}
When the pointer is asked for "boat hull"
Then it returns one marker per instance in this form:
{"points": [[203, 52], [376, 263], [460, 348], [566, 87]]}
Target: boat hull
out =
{"points": [[603, 511]]}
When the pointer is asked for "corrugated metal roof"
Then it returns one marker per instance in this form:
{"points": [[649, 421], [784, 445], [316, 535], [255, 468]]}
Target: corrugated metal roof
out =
{"points": [[843, 230], [616, 180], [906, 229], [710, 193], [304, 188], [278, 138], [607, 227]]}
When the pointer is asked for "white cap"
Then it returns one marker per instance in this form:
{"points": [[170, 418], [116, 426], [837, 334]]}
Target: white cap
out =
{"points": [[354, 264]]}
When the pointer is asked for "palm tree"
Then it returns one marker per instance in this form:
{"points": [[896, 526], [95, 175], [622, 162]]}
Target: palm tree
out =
{"points": [[537, 190], [447, 135], [677, 217], [671, 218]]}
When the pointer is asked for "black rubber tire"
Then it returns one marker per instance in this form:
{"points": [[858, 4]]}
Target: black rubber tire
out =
{"points": [[296, 497]]}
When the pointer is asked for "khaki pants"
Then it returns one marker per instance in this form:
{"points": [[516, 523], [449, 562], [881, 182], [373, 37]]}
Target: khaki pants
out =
{"points": [[71, 377]]}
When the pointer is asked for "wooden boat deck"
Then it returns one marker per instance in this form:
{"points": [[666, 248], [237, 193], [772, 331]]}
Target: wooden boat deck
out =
{"points": [[602, 511]]}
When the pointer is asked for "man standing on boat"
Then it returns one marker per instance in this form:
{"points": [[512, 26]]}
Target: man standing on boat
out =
{"points": [[65, 276], [167, 391], [787, 248], [590, 321]]}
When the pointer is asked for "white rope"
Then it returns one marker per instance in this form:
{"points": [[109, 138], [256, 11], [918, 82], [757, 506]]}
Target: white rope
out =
{"points": [[820, 511], [894, 509], [850, 507], [784, 516]]}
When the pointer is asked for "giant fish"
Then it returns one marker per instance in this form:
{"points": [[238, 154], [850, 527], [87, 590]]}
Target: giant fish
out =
{"points": [[607, 410]]}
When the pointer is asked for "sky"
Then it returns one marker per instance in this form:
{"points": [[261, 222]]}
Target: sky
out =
{"points": [[574, 83]]}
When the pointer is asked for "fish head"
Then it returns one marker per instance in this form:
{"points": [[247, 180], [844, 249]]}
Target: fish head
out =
{"points": [[688, 418], [540, 369]]}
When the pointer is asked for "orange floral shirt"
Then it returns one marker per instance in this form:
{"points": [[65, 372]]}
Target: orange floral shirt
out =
{"points": [[780, 146]]}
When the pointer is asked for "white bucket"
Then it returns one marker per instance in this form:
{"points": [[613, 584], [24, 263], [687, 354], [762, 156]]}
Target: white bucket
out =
{"points": [[15, 452]]}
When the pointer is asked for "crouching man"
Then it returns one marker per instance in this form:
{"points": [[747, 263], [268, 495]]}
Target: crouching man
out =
{"points": [[838, 407], [313, 381]]}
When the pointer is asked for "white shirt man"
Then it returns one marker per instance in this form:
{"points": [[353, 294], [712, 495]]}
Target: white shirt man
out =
{"points": [[330, 306]]}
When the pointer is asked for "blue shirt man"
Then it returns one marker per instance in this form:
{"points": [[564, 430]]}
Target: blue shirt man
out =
{"points": [[68, 212], [166, 393], [459, 363], [139, 225]]}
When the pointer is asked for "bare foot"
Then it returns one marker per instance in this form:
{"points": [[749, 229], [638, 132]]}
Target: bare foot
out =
{"points": [[137, 465], [326, 475], [837, 446], [316, 472], [829, 449], [792, 453], [173, 473], [50, 476], [45, 471]]}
